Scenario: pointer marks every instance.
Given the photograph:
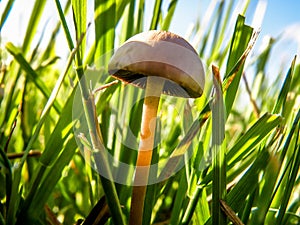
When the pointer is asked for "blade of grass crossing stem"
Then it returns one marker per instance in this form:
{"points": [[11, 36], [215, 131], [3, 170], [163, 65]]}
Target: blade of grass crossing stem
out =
{"points": [[218, 151], [156, 14], [241, 37], [93, 124], [177, 155]]}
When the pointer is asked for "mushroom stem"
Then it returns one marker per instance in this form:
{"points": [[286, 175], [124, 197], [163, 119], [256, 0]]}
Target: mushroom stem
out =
{"points": [[154, 88]]}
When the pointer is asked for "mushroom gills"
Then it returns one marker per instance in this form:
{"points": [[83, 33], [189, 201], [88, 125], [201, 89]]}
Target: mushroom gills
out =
{"points": [[140, 80]]}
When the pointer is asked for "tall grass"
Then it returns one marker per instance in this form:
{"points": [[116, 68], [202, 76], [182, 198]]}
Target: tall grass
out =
{"points": [[229, 161]]}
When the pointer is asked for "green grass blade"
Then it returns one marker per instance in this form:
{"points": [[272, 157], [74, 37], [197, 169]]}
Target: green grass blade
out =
{"points": [[168, 19], [120, 7], [104, 32], [241, 37], [247, 184], [218, 151], [253, 136], [140, 16], [33, 24], [128, 23], [6, 12], [249, 141], [156, 14], [79, 14], [264, 197], [285, 89], [64, 25]]}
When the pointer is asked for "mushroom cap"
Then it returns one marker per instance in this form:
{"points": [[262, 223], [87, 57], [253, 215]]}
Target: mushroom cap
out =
{"points": [[162, 54]]}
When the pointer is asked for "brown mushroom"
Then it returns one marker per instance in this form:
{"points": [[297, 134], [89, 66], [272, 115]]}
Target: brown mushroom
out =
{"points": [[160, 62]]}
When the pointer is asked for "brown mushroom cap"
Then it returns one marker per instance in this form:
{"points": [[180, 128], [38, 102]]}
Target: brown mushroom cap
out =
{"points": [[162, 54]]}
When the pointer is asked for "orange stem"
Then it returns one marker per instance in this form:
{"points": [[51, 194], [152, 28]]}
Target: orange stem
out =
{"points": [[147, 134]]}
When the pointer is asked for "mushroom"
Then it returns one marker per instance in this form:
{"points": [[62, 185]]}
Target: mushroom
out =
{"points": [[160, 62]]}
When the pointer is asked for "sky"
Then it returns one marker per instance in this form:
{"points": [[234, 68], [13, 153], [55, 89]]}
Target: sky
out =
{"points": [[279, 17]]}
